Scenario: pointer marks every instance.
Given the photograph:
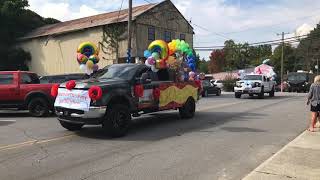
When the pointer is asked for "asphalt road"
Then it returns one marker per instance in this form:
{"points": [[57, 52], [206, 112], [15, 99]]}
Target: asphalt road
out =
{"points": [[227, 139]]}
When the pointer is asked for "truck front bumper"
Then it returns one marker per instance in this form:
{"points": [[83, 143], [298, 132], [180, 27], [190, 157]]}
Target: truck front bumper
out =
{"points": [[243, 90], [93, 116]]}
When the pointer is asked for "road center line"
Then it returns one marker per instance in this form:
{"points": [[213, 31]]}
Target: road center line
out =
{"points": [[5, 120], [221, 105], [33, 142]]}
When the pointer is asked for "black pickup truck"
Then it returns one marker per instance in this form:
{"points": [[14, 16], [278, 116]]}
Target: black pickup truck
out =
{"points": [[121, 91]]}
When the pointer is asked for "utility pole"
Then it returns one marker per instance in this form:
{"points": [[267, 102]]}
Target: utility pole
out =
{"points": [[129, 31], [282, 56]]}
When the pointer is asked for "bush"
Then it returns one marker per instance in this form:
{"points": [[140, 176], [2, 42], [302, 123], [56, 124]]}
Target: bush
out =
{"points": [[228, 83]]}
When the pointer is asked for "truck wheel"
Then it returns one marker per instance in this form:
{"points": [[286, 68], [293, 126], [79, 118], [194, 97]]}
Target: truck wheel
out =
{"points": [[219, 92], [117, 120], [71, 126], [38, 107], [237, 95], [271, 94], [187, 111], [205, 93], [261, 94]]}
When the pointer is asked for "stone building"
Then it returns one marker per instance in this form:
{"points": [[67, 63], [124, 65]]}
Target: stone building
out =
{"points": [[53, 47]]}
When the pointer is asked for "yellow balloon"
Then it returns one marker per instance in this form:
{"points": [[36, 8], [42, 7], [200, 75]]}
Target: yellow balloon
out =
{"points": [[90, 64], [171, 60]]}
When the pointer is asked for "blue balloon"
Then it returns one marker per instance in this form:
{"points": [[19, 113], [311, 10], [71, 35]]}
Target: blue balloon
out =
{"points": [[146, 53], [191, 59], [192, 66]]}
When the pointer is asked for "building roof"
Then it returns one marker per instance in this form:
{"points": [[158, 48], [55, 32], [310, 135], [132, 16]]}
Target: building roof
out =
{"points": [[89, 22]]}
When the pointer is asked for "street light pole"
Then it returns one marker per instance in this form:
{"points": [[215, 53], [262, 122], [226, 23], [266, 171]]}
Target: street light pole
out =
{"points": [[129, 31], [282, 57]]}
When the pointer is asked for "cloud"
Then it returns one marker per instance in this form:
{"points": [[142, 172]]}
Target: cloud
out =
{"points": [[62, 10], [214, 21], [303, 29]]}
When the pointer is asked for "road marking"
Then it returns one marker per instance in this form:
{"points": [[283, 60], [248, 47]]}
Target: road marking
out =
{"points": [[7, 120], [33, 142], [221, 105]]}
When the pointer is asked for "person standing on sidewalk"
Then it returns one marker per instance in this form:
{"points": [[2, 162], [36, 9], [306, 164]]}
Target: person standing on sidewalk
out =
{"points": [[314, 101]]}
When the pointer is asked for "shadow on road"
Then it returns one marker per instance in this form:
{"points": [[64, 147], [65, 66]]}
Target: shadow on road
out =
{"points": [[164, 125], [6, 123], [241, 129]]}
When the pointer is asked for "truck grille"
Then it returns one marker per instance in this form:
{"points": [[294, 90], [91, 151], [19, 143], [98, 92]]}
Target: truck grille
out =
{"points": [[69, 111]]}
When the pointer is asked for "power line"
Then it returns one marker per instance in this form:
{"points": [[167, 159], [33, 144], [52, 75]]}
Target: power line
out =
{"points": [[218, 34], [271, 42], [272, 25]]}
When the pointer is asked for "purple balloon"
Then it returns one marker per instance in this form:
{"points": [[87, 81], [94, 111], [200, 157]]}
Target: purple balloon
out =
{"points": [[95, 67], [151, 60]]}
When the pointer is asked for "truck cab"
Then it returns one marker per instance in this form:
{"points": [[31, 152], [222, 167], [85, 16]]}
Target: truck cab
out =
{"points": [[22, 90], [255, 84], [121, 91]]}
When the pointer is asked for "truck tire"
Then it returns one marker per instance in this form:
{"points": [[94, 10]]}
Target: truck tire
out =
{"points": [[271, 94], [71, 126], [188, 110], [117, 120], [219, 92], [237, 95], [261, 94], [38, 107]]}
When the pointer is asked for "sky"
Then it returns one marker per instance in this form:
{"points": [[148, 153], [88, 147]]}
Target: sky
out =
{"points": [[214, 21]]}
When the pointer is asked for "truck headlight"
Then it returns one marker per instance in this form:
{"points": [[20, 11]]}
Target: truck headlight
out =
{"points": [[256, 84]]}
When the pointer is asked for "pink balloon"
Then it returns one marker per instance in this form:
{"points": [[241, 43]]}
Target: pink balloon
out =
{"points": [[151, 61]]}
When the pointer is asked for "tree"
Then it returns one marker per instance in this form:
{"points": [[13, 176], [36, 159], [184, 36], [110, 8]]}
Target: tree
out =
{"points": [[203, 66], [217, 61], [16, 21], [290, 61]]}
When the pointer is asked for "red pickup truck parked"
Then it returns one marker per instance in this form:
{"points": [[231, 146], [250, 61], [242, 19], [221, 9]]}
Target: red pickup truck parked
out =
{"points": [[22, 90]]}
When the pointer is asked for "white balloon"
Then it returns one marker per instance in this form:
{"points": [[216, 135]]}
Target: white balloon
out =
{"points": [[154, 69], [147, 63], [83, 67], [89, 71]]}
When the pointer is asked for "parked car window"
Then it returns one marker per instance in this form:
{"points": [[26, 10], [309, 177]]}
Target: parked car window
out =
{"points": [[29, 79], [6, 78], [219, 81]]}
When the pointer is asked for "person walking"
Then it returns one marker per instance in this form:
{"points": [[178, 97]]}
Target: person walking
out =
{"points": [[314, 101]]}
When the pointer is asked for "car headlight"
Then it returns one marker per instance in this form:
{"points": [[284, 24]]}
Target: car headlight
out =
{"points": [[238, 84]]}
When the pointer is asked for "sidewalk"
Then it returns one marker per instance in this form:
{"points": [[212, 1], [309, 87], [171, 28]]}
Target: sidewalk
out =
{"points": [[300, 159]]}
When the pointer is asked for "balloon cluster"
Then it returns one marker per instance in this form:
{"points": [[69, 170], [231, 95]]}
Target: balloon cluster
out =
{"points": [[87, 57], [173, 55]]}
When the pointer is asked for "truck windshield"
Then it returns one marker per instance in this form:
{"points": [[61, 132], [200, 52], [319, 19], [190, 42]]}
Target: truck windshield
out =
{"points": [[116, 71], [297, 77], [253, 77]]}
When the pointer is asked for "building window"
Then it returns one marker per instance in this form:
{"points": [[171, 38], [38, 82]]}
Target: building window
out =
{"points": [[167, 36], [151, 33], [182, 37]]}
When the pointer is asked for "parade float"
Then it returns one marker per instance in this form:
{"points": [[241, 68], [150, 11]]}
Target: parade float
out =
{"points": [[121, 91]]}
